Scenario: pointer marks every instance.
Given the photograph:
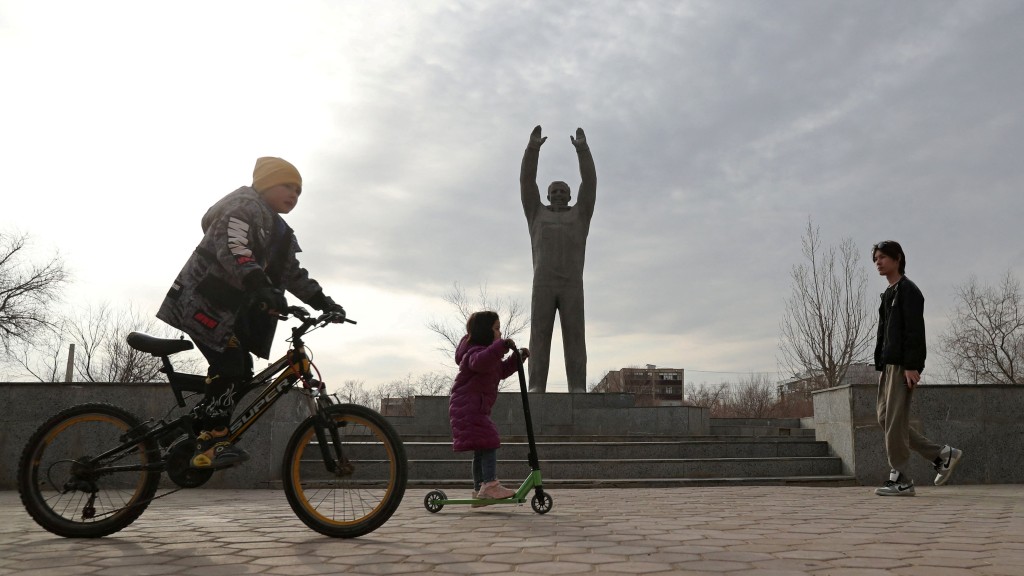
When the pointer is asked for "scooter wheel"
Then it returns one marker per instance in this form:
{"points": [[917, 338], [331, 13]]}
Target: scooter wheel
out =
{"points": [[433, 500], [541, 503]]}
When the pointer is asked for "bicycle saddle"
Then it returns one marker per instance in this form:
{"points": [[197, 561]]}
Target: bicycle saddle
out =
{"points": [[158, 346]]}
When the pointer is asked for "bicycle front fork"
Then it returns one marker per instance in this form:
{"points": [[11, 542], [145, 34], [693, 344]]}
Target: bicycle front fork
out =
{"points": [[328, 438]]}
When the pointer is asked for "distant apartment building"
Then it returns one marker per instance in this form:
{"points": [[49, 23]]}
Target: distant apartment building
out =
{"points": [[806, 383], [651, 385]]}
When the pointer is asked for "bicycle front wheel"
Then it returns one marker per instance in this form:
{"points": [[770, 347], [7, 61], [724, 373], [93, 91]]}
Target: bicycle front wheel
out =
{"points": [[78, 476], [345, 475]]}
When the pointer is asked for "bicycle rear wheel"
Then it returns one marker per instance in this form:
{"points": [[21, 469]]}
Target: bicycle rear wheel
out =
{"points": [[79, 478], [363, 490]]}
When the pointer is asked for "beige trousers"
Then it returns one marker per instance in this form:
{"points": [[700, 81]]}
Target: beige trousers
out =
{"points": [[893, 408]]}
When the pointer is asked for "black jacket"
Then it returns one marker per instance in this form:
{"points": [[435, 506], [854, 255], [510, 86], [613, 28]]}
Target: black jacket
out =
{"points": [[901, 327], [243, 240]]}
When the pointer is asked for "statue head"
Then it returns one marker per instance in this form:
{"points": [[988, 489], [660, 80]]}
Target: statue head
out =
{"points": [[559, 194]]}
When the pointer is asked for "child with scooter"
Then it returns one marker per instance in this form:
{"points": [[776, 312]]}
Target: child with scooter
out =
{"points": [[481, 367]]}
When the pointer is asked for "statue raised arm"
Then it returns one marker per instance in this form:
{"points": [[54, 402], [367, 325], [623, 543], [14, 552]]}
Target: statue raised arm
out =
{"points": [[558, 239], [587, 196], [528, 174]]}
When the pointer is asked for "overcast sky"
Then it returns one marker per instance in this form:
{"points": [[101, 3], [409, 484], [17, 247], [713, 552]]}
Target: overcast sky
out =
{"points": [[718, 129]]}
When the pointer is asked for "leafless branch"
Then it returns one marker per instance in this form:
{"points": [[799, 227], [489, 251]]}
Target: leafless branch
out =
{"points": [[827, 322], [28, 291], [984, 341], [514, 318]]}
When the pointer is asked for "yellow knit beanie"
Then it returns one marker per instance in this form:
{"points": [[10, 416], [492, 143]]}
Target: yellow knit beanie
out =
{"points": [[270, 171]]}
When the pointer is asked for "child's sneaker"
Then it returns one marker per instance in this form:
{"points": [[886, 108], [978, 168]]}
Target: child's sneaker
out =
{"points": [[476, 494], [213, 452], [494, 490], [896, 485], [944, 465]]}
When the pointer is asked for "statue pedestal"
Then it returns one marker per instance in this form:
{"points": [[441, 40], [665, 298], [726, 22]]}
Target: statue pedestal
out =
{"points": [[567, 415]]}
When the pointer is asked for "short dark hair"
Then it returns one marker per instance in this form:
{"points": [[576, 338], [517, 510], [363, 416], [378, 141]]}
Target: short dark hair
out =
{"points": [[480, 327], [892, 249], [559, 184]]}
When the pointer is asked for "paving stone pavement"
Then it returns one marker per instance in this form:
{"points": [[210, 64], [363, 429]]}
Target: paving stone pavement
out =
{"points": [[750, 531]]}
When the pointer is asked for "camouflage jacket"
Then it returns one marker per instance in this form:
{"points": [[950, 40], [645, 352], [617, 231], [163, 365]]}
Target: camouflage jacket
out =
{"points": [[245, 244]]}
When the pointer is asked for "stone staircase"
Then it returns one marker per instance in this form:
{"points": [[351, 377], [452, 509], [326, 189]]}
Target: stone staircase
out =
{"points": [[736, 452]]}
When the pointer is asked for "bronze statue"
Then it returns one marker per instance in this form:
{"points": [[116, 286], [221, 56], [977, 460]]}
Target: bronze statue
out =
{"points": [[558, 235]]}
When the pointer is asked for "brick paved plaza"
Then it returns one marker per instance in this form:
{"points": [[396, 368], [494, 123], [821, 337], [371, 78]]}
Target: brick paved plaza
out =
{"points": [[753, 531]]}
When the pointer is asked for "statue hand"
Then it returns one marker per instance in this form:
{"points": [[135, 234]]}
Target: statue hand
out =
{"points": [[535, 138], [580, 141]]}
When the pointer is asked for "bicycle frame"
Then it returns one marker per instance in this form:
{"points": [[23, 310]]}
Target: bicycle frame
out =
{"points": [[279, 377], [92, 469]]}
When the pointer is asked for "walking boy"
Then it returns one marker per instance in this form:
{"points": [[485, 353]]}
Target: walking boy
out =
{"points": [[230, 291], [899, 355]]}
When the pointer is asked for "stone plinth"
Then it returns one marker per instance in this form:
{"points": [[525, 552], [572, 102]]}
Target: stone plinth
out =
{"points": [[28, 405], [983, 421], [565, 415]]}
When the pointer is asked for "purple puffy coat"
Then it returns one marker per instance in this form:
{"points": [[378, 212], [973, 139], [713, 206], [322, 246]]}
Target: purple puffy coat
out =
{"points": [[474, 393]]}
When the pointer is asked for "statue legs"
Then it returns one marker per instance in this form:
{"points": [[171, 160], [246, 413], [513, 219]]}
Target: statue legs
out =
{"points": [[568, 302], [574, 343], [542, 323]]}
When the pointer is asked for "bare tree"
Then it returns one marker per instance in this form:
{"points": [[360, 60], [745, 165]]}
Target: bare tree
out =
{"points": [[514, 319], [44, 359], [984, 342], [513, 316], [712, 397], [827, 323], [355, 392], [103, 355], [395, 398], [101, 352], [755, 397], [28, 291]]}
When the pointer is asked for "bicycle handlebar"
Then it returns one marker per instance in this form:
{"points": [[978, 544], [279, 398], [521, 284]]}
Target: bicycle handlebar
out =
{"points": [[309, 322]]}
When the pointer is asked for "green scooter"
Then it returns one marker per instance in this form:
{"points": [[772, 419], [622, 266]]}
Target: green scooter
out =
{"points": [[541, 502]]}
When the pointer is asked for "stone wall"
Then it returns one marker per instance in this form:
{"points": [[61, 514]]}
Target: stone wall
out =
{"points": [[564, 415], [983, 421], [28, 405]]}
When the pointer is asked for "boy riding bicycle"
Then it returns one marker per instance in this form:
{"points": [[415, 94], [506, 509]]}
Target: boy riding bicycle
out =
{"points": [[229, 293]]}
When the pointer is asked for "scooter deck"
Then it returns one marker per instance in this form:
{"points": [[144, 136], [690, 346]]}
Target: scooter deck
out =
{"points": [[486, 501], [521, 496]]}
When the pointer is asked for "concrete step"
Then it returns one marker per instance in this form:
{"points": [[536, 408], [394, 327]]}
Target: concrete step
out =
{"points": [[738, 451], [455, 487], [738, 448], [776, 422], [579, 469], [512, 438], [757, 431], [597, 462]]}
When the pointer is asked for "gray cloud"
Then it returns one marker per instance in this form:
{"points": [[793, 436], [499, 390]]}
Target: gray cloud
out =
{"points": [[718, 129]]}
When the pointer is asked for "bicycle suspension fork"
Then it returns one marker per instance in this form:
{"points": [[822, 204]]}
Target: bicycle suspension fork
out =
{"points": [[326, 427]]}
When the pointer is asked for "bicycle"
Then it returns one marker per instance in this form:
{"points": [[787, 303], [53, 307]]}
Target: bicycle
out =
{"points": [[91, 470]]}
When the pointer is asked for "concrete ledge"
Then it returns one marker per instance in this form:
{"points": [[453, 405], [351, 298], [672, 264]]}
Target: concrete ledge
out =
{"points": [[565, 415], [983, 421], [30, 404]]}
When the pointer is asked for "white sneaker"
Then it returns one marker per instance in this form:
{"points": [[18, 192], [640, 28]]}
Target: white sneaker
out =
{"points": [[476, 494], [494, 490], [896, 485], [945, 466]]}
